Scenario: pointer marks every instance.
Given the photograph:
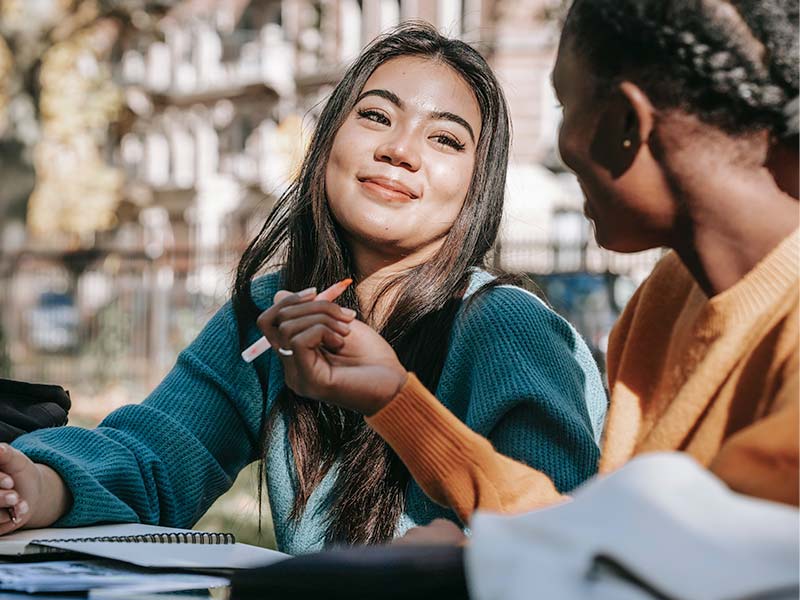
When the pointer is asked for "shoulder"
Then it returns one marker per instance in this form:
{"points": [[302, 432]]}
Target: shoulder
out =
{"points": [[510, 349], [507, 328], [511, 312]]}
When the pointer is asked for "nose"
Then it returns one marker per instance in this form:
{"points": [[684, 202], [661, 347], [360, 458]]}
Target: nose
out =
{"points": [[400, 150]]}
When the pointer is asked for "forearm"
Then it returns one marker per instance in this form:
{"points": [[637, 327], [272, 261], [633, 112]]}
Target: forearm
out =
{"points": [[54, 498], [455, 466]]}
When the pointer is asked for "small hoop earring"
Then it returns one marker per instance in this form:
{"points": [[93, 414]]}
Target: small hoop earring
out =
{"points": [[626, 143]]}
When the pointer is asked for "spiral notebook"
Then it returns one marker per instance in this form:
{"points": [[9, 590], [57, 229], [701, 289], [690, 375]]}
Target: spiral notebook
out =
{"points": [[144, 546]]}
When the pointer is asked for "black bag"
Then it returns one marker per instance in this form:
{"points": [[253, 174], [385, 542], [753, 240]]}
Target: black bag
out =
{"points": [[25, 407], [360, 573]]}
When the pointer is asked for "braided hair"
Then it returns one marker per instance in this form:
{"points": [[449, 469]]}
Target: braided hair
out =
{"points": [[732, 63]]}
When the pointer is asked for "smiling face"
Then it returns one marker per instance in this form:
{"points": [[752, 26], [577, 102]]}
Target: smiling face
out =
{"points": [[401, 163]]}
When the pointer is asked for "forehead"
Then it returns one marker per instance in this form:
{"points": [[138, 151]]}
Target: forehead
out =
{"points": [[427, 85], [572, 76]]}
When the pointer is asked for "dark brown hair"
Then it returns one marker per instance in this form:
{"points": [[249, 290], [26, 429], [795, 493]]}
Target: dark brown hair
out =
{"points": [[369, 493]]}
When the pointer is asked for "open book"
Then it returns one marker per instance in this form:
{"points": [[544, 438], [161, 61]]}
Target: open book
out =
{"points": [[143, 545]]}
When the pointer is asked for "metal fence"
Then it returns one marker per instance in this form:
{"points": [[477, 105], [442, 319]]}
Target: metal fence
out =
{"points": [[104, 318]]}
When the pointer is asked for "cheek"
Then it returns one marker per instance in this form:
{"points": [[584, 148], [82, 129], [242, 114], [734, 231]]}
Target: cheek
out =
{"points": [[450, 181], [338, 158], [338, 167], [569, 148]]}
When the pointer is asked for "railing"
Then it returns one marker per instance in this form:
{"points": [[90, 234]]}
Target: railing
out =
{"points": [[542, 257], [104, 320], [108, 320]]}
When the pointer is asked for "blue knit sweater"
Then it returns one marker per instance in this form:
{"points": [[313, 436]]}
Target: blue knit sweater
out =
{"points": [[515, 372]]}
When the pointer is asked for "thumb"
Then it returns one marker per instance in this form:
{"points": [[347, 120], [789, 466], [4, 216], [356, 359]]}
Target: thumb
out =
{"points": [[12, 461]]}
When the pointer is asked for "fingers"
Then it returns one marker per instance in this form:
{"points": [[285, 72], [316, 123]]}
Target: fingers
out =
{"points": [[12, 461], [315, 336], [281, 295], [438, 532], [334, 311], [267, 321], [307, 365], [291, 327], [13, 508], [20, 517], [7, 499], [290, 314]]}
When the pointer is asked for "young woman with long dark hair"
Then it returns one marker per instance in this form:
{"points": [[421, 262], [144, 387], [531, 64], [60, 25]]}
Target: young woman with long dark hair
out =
{"points": [[402, 190]]}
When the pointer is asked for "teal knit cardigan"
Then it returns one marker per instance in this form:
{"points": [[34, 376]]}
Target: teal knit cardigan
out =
{"points": [[515, 372]]}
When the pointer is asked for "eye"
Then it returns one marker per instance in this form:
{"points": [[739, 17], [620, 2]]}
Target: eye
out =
{"points": [[449, 141], [373, 115]]}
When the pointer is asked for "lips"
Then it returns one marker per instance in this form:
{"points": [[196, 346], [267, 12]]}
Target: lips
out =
{"points": [[390, 189]]}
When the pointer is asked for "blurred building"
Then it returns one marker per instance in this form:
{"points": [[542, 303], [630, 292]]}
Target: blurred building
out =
{"points": [[217, 103]]}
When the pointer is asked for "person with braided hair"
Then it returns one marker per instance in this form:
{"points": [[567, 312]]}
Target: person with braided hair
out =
{"points": [[680, 121]]}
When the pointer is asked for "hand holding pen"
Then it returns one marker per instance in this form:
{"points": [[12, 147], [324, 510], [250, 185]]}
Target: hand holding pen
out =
{"points": [[267, 322], [328, 354]]}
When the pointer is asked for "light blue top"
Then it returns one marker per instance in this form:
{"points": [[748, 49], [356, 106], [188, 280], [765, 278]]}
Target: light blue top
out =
{"points": [[515, 372]]}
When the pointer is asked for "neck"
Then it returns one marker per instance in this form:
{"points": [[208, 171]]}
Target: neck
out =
{"points": [[375, 268], [731, 226]]}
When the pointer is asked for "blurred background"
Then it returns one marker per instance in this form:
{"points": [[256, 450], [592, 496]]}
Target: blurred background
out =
{"points": [[142, 143]]}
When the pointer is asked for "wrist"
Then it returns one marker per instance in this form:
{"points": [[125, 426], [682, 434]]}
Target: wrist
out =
{"points": [[53, 500], [394, 384]]}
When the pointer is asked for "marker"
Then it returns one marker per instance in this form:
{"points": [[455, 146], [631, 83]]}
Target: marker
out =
{"points": [[261, 345]]}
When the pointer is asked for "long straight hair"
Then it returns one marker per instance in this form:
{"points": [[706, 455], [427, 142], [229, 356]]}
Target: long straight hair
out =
{"points": [[369, 491]]}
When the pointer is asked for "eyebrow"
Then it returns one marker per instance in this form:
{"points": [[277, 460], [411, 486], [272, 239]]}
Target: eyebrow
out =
{"points": [[437, 115], [448, 116]]}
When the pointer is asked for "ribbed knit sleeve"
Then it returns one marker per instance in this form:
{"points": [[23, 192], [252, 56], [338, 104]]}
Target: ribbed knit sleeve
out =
{"points": [[166, 460], [522, 382], [455, 466]]}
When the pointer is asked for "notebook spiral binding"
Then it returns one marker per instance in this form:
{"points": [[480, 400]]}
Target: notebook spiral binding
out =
{"points": [[182, 537]]}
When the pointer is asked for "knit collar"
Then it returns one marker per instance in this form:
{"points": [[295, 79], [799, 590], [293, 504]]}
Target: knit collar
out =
{"points": [[763, 286]]}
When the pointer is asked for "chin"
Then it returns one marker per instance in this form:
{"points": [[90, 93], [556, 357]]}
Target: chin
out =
{"points": [[622, 245]]}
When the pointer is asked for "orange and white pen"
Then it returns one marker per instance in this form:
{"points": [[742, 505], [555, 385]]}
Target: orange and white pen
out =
{"points": [[261, 345]]}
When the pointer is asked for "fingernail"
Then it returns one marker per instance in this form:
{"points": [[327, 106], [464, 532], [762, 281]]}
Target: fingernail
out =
{"points": [[12, 499], [348, 312], [307, 292], [22, 508], [7, 483]]}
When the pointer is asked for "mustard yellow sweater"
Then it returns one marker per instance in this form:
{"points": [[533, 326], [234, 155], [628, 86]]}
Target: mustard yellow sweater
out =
{"points": [[717, 378]]}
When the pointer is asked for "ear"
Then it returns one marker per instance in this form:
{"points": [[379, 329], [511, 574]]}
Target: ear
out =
{"points": [[625, 123], [782, 160]]}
